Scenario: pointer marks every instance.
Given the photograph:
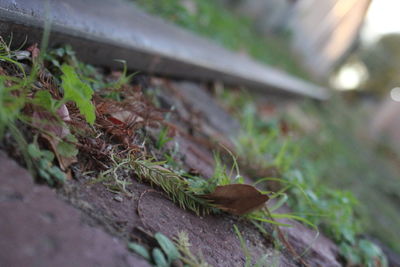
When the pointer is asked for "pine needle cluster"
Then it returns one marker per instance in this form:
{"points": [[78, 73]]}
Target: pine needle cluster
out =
{"points": [[176, 186]]}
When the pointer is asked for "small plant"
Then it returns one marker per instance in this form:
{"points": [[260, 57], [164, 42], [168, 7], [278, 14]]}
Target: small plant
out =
{"points": [[187, 257], [260, 144], [24, 103], [363, 253], [169, 252], [65, 55], [221, 176], [113, 177], [10, 104], [170, 159], [13, 89], [43, 164], [163, 138], [124, 77], [163, 256]]}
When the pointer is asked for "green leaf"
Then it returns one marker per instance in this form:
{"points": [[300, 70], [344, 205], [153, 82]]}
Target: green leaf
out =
{"points": [[34, 151], [79, 92], [369, 248], [59, 51], [44, 99], [139, 249], [66, 149], [56, 173], [10, 105], [159, 258], [351, 254], [43, 163], [167, 246], [162, 138], [348, 234], [47, 155]]}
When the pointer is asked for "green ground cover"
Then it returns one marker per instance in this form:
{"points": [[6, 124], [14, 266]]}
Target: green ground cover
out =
{"points": [[333, 177]]}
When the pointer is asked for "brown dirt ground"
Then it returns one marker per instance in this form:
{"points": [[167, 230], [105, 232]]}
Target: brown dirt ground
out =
{"points": [[83, 224]]}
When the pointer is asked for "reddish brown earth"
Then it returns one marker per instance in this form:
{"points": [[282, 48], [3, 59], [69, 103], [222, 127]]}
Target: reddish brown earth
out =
{"points": [[84, 224], [37, 228]]}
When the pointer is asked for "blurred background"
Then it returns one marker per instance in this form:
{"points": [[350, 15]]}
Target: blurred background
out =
{"points": [[351, 46]]}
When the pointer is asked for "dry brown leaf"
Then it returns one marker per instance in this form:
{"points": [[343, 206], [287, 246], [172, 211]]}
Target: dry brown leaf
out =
{"points": [[127, 116], [121, 119], [47, 122], [44, 120], [63, 161], [237, 199]]}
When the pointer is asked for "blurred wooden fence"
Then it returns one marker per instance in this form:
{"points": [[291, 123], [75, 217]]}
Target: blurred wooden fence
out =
{"points": [[322, 30]]}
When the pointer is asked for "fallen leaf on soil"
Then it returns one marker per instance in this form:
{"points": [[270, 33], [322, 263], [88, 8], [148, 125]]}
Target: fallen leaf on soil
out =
{"points": [[64, 151], [122, 119], [237, 199], [127, 117]]}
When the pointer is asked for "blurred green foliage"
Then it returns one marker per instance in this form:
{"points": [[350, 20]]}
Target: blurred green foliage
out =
{"points": [[343, 157], [382, 60], [209, 18], [333, 179]]}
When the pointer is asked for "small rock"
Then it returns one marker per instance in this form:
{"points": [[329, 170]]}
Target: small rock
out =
{"points": [[20, 55], [118, 198]]}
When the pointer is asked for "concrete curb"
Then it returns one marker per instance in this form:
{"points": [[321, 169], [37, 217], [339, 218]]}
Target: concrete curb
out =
{"points": [[103, 30]]}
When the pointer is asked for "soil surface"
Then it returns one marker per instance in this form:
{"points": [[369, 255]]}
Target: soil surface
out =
{"points": [[85, 224], [37, 228]]}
